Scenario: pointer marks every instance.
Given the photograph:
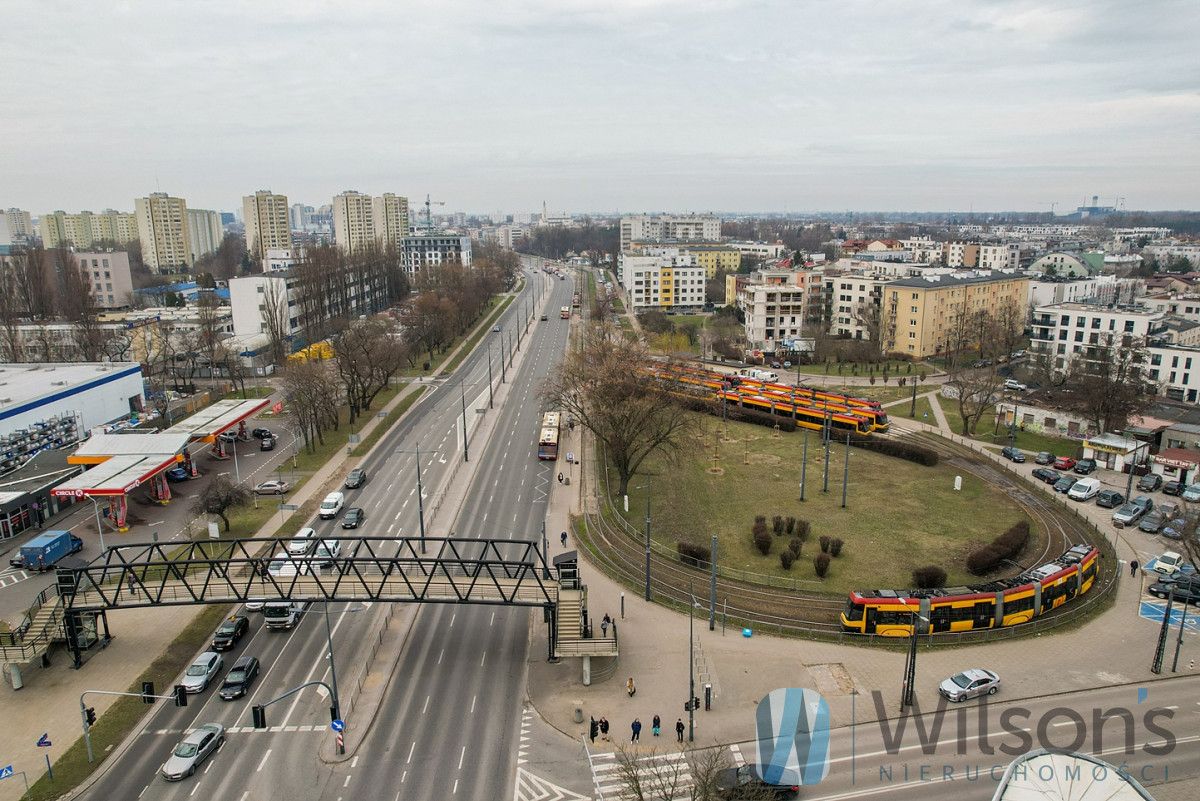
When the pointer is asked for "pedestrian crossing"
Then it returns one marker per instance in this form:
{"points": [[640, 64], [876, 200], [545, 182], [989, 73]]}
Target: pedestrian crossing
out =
{"points": [[656, 775], [9, 578], [245, 730], [534, 788]]}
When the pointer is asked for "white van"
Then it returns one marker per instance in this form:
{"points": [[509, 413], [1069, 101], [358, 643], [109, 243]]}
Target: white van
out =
{"points": [[759, 375], [332, 504], [327, 551], [1084, 489]]}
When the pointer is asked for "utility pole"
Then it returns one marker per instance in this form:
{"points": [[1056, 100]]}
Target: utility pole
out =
{"points": [[825, 482], [846, 471], [804, 465], [712, 590], [691, 702], [490, 406], [647, 539], [463, 392], [337, 708]]}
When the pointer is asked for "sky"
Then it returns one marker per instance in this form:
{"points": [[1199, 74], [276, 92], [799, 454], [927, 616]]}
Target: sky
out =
{"points": [[604, 105]]}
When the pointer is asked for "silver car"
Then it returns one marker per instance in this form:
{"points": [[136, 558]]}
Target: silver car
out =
{"points": [[202, 671], [970, 683], [196, 747]]}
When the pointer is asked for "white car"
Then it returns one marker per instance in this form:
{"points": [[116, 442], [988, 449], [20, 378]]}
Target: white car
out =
{"points": [[281, 566], [332, 504], [1015, 385], [303, 541], [272, 487], [202, 671], [1168, 564], [1084, 490]]}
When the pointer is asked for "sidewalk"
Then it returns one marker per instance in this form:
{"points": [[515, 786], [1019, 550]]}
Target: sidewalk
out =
{"points": [[48, 701], [1112, 649]]}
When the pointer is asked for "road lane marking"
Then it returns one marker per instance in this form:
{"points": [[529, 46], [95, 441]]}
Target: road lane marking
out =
{"points": [[425, 708], [440, 655], [473, 697], [461, 757], [354, 763], [455, 790], [347, 782], [453, 617], [194, 789], [411, 748], [484, 659], [263, 761]]}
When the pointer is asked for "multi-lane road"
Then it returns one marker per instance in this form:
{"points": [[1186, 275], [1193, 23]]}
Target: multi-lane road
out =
{"points": [[447, 724]]}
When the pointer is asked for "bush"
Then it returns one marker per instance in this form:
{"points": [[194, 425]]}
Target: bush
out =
{"points": [[835, 547], [777, 525], [930, 577], [803, 529], [762, 541], [901, 449], [794, 545], [760, 519], [786, 558], [1006, 546], [825, 541], [790, 525], [692, 554], [821, 564]]}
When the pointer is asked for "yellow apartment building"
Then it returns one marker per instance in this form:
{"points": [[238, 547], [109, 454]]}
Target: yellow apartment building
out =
{"points": [[919, 313]]}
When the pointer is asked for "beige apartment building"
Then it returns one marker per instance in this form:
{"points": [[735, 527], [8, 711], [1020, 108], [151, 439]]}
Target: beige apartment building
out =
{"points": [[390, 213], [353, 220], [163, 230], [107, 272], [919, 313], [59, 229], [268, 226], [19, 222], [674, 227]]}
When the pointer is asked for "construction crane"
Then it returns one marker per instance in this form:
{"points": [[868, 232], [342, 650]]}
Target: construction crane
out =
{"points": [[429, 212], [1053, 205]]}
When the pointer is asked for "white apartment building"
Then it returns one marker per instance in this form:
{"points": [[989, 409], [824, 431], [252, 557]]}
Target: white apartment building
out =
{"points": [[430, 250], [670, 280], [1063, 331], [108, 275], [960, 254], [760, 250], [205, 232], [1184, 306], [19, 223], [1134, 234], [923, 249], [680, 227], [853, 304], [1102, 289], [1003, 256], [163, 231], [1167, 250], [279, 259], [300, 216], [268, 226], [1175, 370]]}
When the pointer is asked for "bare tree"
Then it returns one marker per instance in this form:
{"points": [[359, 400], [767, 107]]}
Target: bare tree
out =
{"points": [[869, 317], [219, 497], [276, 317], [310, 393], [607, 385], [976, 389], [703, 774], [368, 353], [35, 282], [11, 313], [1106, 383]]}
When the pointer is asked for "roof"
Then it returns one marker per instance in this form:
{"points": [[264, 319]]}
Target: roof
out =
{"points": [[933, 282], [212, 420], [1177, 455], [1044, 776], [27, 386], [1113, 441], [101, 447], [182, 286], [117, 476], [44, 469]]}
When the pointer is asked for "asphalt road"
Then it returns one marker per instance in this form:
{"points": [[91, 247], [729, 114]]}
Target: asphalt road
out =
{"points": [[282, 761]]}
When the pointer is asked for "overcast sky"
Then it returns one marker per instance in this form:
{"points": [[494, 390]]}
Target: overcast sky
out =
{"points": [[628, 105]]}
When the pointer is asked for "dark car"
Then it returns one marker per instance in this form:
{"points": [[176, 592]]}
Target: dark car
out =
{"points": [[1150, 482], [1143, 502], [1046, 474], [1186, 589], [1175, 488], [1044, 457], [239, 678], [747, 782], [356, 478], [1085, 467], [354, 517], [229, 632], [1174, 529], [261, 433], [1064, 484], [1153, 522], [1109, 499], [1013, 454], [266, 444], [1064, 463], [176, 474], [544, 318]]}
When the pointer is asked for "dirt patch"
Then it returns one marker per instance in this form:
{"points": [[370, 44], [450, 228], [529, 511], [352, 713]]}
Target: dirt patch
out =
{"points": [[716, 471], [832, 678]]}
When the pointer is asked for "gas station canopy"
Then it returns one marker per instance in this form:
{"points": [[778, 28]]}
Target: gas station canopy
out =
{"points": [[210, 421], [116, 476]]}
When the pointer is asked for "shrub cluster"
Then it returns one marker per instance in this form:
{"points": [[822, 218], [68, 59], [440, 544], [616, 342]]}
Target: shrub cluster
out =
{"points": [[821, 564], [794, 545], [762, 536], [786, 557], [930, 577], [692, 554], [1006, 546], [899, 448]]}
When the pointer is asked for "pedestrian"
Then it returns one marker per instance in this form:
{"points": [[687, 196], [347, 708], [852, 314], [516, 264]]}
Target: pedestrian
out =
{"points": [[593, 730], [656, 725], [679, 729], [560, 478], [604, 627], [637, 731], [1133, 566], [563, 539], [629, 688], [603, 728]]}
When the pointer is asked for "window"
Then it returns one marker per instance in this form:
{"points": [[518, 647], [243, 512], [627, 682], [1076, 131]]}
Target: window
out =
{"points": [[1129, 326]]}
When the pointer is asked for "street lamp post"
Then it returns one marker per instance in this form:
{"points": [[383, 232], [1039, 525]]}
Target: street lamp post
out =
{"points": [[647, 540], [462, 390], [691, 702], [420, 493], [337, 709], [908, 688], [490, 406]]}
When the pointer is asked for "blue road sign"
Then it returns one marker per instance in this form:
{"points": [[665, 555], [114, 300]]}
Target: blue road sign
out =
{"points": [[44, 740], [338, 725], [6, 771]]}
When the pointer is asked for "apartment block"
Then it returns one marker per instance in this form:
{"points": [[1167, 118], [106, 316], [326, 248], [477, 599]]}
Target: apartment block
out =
{"points": [[711, 256], [267, 224], [676, 227], [1004, 256], [163, 229], [205, 232], [1164, 251], [1064, 331], [671, 280], [760, 250], [359, 292], [18, 222], [107, 273], [779, 306], [430, 250], [390, 213], [353, 220], [853, 305], [960, 254], [1102, 289], [923, 249], [919, 313]]}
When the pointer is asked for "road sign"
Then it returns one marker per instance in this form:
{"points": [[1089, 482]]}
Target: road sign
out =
{"points": [[44, 741], [6, 771], [288, 507], [338, 725]]}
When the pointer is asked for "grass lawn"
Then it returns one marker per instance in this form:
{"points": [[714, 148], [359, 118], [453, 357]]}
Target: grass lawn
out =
{"points": [[881, 393], [924, 411], [895, 367], [1026, 440], [901, 515], [251, 391]]}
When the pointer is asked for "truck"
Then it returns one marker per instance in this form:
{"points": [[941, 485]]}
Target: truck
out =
{"points": [[41, 552], [283, 614], [759, 375]]}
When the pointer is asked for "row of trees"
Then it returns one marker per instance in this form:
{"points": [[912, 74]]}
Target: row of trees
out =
{"points": [[555, 242]]}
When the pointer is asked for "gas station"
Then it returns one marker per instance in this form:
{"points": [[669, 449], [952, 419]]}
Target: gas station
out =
{"points": [[123, 462]]}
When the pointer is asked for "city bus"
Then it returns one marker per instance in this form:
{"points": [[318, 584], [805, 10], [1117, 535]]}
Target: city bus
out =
{"points": [[548, 437], [565, 312]]}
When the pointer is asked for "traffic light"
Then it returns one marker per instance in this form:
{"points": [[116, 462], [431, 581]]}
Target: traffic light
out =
{"points": [[148, 692], [260, 716], [180, 695], [89, 715]]}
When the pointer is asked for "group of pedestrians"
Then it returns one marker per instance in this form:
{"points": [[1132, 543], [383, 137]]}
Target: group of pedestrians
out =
{"points": [[600, 728]]}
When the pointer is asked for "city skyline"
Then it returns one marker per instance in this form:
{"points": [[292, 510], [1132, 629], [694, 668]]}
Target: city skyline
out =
{"points": [[629, 105]]}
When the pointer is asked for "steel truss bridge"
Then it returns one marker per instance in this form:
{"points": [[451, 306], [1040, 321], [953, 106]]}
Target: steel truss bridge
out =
{"points": [[508, 572]]}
